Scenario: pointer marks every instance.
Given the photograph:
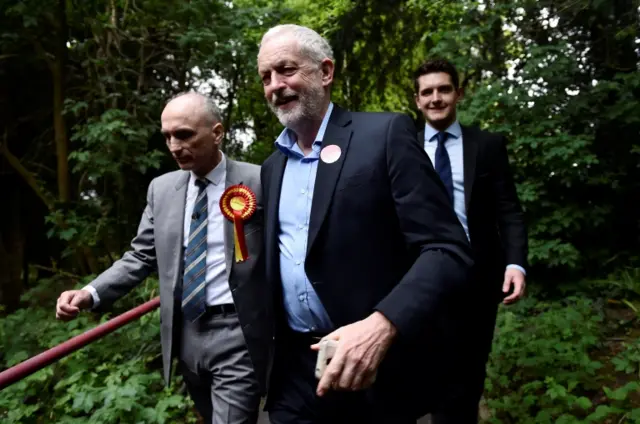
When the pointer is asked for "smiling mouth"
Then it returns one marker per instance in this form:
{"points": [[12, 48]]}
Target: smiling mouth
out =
{"points": [[281, 101]]}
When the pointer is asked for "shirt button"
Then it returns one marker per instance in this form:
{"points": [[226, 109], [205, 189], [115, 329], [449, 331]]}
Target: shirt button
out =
{"points": [[297, 262], [303, 191], [313, 328], [301, 297]]}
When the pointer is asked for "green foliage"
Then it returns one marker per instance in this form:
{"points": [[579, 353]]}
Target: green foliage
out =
{"points": [[112, 141], [541, 358], [560, 87], [552, 362], [563, 360], [116, 379], [628, 361]]}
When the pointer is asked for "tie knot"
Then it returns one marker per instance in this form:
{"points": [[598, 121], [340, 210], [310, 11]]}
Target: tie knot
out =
{"points": [[201, 183], [442, 137]]}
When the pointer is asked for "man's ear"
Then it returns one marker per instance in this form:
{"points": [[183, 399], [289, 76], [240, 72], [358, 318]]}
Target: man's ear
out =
{"points": [[218, 132], [327, 67]]}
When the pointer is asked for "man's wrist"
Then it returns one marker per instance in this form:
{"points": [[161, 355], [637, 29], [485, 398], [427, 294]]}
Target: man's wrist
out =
{"points": [[95, 299], [386, 326], [518, 267]]}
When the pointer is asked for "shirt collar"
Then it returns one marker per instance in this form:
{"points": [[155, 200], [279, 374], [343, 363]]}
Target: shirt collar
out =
{"points": [[286, 141], [454, 130], [216, 175]]}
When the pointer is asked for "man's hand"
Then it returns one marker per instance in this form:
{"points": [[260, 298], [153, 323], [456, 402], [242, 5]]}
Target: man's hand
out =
{"points": [[71, 302], [516, 278], [361, 347]]}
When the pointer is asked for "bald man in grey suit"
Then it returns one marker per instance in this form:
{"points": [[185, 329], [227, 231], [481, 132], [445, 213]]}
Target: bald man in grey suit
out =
{"points": [[215, 313]]}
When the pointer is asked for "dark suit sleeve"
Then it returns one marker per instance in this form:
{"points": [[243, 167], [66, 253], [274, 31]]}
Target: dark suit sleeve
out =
{"points": [[431, 230], [513, 231]]}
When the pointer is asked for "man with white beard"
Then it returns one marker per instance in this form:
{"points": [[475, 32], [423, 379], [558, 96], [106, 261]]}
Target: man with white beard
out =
{"points": [[362, 247]]}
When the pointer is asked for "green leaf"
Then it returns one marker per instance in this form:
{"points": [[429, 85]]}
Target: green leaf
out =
{"points": [[584, 403], [68, 234]]}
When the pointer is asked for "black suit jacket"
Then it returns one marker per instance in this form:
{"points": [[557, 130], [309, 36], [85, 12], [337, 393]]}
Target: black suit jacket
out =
{"points": [[382, 236], [494, 215]]}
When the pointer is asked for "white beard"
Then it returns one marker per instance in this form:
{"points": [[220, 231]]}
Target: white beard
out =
{"points": [[309, 106]]}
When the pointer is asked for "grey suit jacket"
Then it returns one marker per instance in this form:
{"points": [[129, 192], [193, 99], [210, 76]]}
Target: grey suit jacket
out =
{"points": [[159, 246]]}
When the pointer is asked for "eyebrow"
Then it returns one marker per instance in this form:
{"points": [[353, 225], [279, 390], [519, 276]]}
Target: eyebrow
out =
{"points": [[280, 63], [441, 86], [164, 132]]}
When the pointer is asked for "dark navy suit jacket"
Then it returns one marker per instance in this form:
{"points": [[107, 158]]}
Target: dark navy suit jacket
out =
{"points": [[383, 236]]}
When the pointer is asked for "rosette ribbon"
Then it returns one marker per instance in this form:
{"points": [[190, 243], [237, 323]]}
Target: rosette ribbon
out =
{"points": [[238, 203]]}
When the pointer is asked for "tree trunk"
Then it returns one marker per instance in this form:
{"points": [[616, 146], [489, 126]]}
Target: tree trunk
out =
{"points": [[84, 254], [11, 250], [59, 125]]}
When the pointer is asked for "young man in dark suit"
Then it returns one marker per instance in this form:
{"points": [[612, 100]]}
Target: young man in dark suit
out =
{"points": [[362, 247], [474, 167]]}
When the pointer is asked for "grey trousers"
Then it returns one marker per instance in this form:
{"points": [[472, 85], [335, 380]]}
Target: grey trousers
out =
{"points": [[218, 371]]}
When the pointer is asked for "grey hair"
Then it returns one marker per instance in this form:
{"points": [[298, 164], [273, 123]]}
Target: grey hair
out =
{"points": [[213, 114], [312, 44]]}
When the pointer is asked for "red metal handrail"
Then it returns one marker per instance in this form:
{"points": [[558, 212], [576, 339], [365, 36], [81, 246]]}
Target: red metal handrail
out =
{"points": [[31, 365]]}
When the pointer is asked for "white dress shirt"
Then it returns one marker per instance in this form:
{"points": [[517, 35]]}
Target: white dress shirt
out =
{"points": [[217, 288], [455, 150]]}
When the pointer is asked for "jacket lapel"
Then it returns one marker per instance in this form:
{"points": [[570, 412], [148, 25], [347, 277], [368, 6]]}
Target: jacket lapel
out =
{"points": [[176, 216], [232, 178], [421, 143], [274, 176], [338, 133], [469, 155]]}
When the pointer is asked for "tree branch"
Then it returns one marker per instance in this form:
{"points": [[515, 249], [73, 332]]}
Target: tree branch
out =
{"points": [[24, 172], [55, 270], [47, 57]]}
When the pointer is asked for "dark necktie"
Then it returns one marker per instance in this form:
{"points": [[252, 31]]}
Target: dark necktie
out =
{"points": [[195, 258], [443, 164]]}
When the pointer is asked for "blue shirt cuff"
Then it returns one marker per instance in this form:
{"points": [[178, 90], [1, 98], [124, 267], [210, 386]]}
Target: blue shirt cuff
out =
{"points": [[517, 267]]}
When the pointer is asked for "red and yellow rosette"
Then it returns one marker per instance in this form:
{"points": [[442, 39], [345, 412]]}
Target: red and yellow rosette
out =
{"points": [[237, 204]]}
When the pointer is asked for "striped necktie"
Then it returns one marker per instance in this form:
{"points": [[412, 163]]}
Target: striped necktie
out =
{"points": [[195, 258]]}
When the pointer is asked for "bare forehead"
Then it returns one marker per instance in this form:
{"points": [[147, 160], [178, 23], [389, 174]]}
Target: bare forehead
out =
{"points": [[184, 111], [434, 80], [277, 51]]}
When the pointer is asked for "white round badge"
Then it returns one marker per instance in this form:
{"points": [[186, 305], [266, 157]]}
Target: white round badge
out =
{"points": [[330, 153]]}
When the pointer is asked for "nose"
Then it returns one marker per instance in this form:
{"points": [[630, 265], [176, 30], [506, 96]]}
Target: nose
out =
{"points": [[436, 96], [276, 83], [174, 145]]}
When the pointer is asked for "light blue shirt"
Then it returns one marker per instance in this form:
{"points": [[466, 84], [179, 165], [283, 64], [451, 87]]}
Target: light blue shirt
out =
{"points": [[455, 151], [302, 305]]}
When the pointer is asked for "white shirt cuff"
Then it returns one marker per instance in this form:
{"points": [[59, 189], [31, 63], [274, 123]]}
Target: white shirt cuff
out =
{"points": [[517, 267], [94, 294]]}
